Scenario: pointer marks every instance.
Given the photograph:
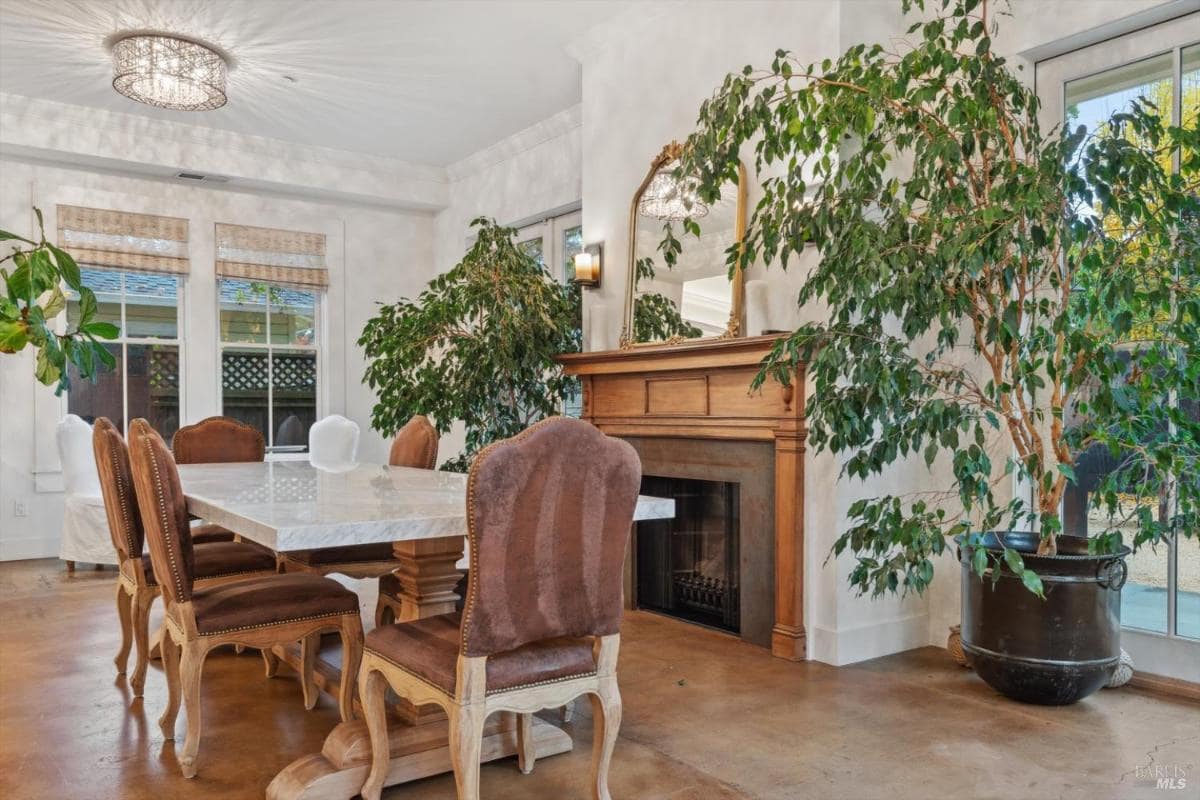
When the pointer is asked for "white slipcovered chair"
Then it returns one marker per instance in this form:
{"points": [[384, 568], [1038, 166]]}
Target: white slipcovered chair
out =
{"points": [[85, 534], [333, 442]]}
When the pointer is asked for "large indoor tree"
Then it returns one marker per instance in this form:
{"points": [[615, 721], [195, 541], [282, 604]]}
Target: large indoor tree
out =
{"points": [[477, 345], [992, 287]]}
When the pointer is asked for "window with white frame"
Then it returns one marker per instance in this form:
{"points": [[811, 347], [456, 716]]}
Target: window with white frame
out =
{"points": [[269, 291], [1161, 64], [134, 263], [554, 242]]}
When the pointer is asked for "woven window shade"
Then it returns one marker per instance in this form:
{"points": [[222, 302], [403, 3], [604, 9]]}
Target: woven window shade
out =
{"points": [[271, 255], [122, 240]]}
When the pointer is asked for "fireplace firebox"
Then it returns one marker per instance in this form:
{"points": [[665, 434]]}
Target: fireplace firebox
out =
{"points": [[687, 567]]}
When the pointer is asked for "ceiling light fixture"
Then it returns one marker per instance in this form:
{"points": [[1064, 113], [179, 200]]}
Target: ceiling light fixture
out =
{"points": [[169, 72]]}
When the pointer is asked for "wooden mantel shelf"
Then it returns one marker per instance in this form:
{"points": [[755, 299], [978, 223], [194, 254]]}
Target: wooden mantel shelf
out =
{"points": [[701, 390]]}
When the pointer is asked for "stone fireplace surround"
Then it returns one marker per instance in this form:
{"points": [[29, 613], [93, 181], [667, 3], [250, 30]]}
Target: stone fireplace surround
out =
{"points": [[688, 410]]}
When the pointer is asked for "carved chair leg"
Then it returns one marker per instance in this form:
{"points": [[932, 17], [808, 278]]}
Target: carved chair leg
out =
{"points": [[170, 657], [567, 712], [606, 721], [466, 745], [125, 615], [191, 664], [270, 662], [526, 751], [310, 646], [372, 688], [239, 649], [156, 645], [140, 608], [352, 647]]}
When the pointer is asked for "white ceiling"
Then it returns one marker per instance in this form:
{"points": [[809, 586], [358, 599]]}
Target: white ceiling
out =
{"points": [[425, 82]]}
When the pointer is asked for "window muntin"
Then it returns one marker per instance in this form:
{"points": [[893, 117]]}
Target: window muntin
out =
{"points": [[147, 379], [1162, 594], [269, 359]]}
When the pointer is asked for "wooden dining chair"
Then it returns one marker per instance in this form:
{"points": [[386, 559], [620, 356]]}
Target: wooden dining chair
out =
{"points": [[416, 445], [548, 518], [218, 440], [258, 612], [214, 562]]}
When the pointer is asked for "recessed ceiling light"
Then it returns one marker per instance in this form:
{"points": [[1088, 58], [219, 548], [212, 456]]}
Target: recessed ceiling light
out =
{"points": [[169, 72]]}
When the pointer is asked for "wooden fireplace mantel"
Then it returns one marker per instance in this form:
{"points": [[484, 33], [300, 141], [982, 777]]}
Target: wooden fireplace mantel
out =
{"points": [[701, 390]]}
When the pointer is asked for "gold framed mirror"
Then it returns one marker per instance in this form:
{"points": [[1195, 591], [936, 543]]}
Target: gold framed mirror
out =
{"points": [[694, 299]]}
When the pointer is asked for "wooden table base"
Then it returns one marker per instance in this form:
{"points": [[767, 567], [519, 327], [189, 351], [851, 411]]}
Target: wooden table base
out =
{"points": [[418, 751]]}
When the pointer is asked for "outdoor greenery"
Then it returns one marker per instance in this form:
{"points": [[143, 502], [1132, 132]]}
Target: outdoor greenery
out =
{"points": [[34, 296], [987, 286], [477, 345]]}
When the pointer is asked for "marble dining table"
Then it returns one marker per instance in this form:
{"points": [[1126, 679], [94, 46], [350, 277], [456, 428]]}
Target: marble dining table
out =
{"points": [[293, 505]]}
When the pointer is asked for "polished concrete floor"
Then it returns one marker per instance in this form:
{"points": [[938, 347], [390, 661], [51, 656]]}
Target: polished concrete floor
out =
{"points": [[705, 718]]}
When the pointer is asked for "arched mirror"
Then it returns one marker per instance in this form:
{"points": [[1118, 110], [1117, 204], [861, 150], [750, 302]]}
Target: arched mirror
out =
{"points": [[694, 298]]}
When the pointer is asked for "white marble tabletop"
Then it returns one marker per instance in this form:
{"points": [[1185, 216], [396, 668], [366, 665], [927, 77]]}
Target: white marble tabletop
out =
{"points": [[292, 505]]}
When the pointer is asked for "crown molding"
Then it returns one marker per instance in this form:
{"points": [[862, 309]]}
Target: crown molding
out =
{"points": [[549, 129]]}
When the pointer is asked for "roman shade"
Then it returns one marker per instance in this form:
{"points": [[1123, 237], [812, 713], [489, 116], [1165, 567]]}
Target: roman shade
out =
{"points": [[271, 255], [123, 240]]}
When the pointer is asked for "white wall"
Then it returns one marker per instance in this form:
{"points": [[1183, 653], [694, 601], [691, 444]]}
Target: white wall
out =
{"points": [[373, 255], [644, 77]]}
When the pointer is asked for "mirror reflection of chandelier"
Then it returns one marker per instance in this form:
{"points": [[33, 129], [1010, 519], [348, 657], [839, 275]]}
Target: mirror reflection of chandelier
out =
{"points": [[671, 198]]}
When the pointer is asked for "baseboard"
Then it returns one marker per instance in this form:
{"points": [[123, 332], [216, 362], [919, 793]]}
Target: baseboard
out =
{"points": [[27, 548], [1169, 687], [864, 642]]}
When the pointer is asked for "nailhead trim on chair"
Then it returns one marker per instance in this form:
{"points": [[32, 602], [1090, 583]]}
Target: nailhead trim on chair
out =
{"points": [[162, 510], [121, 496], [432, 685], [278, 622]]}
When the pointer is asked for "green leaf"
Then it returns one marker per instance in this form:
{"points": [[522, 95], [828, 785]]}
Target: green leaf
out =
{"points": [[55, 304], [68, 267], [102, 330], [1033, 583], [14, 335]]}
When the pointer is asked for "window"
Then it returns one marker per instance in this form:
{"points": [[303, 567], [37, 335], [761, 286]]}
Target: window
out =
{"points": [[554, 242], [145, 382], [1162, 65], [133, 262], [269, 298]]}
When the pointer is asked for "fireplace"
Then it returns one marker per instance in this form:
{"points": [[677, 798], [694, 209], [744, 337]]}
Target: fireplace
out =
{"points": [[688, 567], [690, 413]]}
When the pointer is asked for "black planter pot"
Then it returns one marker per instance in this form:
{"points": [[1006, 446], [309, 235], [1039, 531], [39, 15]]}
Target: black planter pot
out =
{"points": [[1054, 651]]}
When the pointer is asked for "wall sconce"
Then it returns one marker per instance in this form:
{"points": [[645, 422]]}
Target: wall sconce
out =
{"points": [[587, 265]]}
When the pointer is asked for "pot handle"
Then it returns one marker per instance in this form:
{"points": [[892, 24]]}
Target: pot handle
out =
{"points": [[1112, 574]]}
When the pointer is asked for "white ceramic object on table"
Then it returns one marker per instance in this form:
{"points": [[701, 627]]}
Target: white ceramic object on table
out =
{"points": [[333, 443]]}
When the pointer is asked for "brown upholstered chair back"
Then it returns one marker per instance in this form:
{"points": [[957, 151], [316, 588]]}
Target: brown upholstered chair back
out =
{"points": [[164, 511], [548, 514], [116, 485], [218, 440], [416, 445]]}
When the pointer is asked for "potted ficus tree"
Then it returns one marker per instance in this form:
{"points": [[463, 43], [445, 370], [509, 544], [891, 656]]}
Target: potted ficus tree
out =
{"points": [[34, 297], [999, 298], [477, 346]]}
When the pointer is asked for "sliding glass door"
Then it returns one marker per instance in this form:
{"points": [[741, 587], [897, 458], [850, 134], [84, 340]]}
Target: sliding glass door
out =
{"points": [[1161, 600]]}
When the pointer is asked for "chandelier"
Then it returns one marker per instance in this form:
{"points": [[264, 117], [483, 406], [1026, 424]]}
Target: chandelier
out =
{"points": [[671, 198], [169, 72]]}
